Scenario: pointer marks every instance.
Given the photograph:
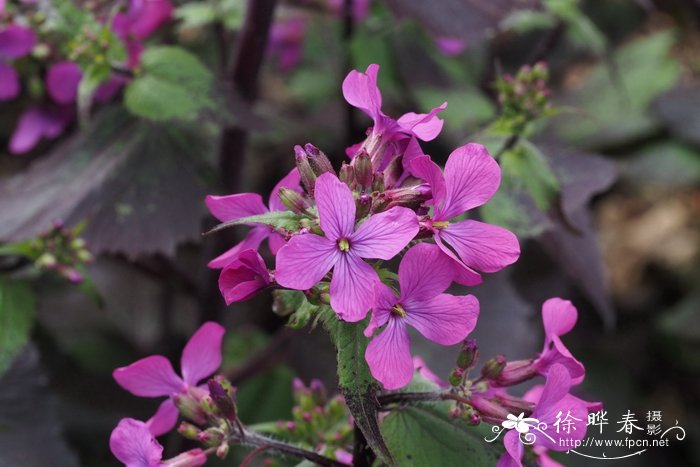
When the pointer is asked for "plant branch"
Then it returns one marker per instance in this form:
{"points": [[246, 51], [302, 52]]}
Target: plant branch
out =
{"points": [[409, 397], [262, 443]]}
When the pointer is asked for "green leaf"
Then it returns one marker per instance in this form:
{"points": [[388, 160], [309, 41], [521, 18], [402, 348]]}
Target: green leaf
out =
{"points": [[16, 319], [195, 15], [174, 84], [616, 100], [286, 220], [93, 76], [423, 435], [526, 163], [467, 107], [522, 21], [355, 380]]}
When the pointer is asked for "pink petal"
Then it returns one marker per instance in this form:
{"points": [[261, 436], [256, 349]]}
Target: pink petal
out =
{"points": [[569, 406], [9, 82], [559, 317], [304, 260], [62, 81], [149, 377], [352, 287], [484, 247], [164, 419], [232, 207], [424, 126], [250, 242], [360, 90], [291, 181], [275, 242], [445, 319], [385, 299], [16, 41], [144, 17], [201, 356], [35, 123], [424, 272], [463, 274], [555, 388], [472, 177], [425, 169], [192, 458], [389, 356], [336, 206], [385, 234], [134, 445], [514, 451], [450, 46], [243, 277]]}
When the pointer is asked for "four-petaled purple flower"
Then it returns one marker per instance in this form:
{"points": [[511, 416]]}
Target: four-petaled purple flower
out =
{"points": [[307, 258], [232, 207], [424, 273], [471, 178], [154, 376], [133, 444]]}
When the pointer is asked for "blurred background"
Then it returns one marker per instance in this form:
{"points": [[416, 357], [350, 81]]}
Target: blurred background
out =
{"points": [[126, 115]]}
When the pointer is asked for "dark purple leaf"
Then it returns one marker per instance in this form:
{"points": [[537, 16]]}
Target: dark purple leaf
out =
{"points": [[31, 433], [678, 110]]}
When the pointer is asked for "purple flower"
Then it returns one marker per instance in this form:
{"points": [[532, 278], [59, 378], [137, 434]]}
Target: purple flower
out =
{"points": [[424, 273], [154, 376], [450, 46], [307, 258], [132, 443], [360, 8], [15, 42], [39, 122], [141, 20], [232, 207], [471, 178], [62, 82], [243, 277], [553, 405], [360, 90], [287, 41]]}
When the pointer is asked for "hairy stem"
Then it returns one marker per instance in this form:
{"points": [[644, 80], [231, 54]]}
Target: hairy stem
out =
{"points": [[409, 397], [263, 443]]}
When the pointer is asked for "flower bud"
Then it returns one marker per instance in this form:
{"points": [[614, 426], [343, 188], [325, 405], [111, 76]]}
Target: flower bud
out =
{"points": [[293, 200], [208, 406], [306, 173], [515, 372], [488, 410], [188, 430], [318, 392], [347, 174], [211, 437], [191, 458], [222, 451], [318, 160], [455, 377], [468, 354], [378, 182], [189, 408], [223, 395], [493, 367], [363, 169]]}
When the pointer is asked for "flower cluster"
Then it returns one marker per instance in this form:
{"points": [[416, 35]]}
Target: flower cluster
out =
{"points": [[331, 232], [28, 43], [62, 250]]}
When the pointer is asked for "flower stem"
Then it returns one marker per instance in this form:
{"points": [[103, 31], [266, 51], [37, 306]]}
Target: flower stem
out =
{"points": [[408, 397], [263, 443]]}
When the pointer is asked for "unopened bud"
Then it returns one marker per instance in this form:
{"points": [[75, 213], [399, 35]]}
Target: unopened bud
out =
{"points": [[222, 451], [293, 200], [318, 392], [189, 408], [516, 372], [493, 367], [46, 260], [191, 458], [208, 406], [188, 430], [363, 169], [455, 377], [347, 174], [211, 437], [489, 411], [223, 395], [378, 182], [306, 173], [318, 160], [468, 354]]}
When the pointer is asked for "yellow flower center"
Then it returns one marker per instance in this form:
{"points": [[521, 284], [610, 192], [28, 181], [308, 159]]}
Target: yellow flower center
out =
{"points": [[398, 310], [344, 244]]}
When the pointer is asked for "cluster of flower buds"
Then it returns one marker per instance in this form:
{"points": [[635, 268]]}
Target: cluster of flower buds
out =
{"points": [[523, 98], [321, 424], [61, 250]]}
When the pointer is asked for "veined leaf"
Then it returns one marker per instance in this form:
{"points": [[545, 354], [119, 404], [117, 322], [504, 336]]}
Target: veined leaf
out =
{"points": [[16, 319], [286, 220]]}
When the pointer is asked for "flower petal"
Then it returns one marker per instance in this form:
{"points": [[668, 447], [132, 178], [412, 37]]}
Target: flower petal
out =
{"points": [[352, 287], [243, 277], [556, 387], [424, 272], [164, 419], [336, 206], [360, 90], [424, 126], [9, 82], [62, 81], [389, 356], [514, 450], [559, 317], [424, 168], [484, 247], [16, 41], [385, 299], [201, 356], [463, 274], [134, 445], [472, 177], [445, 319], [250, 242], [149, 377], [304, 260], [385, 234], [232, 207], [420, 366], [35, 123], [291, 181]]}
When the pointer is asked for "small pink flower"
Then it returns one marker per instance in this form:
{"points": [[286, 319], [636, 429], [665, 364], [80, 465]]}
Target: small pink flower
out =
{"points": [[232, 207], [287, 41], [424, 273], [243, 277], [450, 46], [141, 20], [360, 90], [37, 122], [132, 443], [307, 258], [62, 82], [470, 179], [15, 42], [154, 376]]}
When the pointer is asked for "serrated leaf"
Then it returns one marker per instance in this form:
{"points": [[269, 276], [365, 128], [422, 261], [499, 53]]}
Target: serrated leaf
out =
{"points": [[355, 380], [286, 220], [526, 163], [424, 435], [17, 312]]}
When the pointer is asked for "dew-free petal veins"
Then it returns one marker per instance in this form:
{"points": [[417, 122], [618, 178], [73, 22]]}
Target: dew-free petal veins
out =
{"points": [[352, 287], [232, 207], [201, 357], [389, 356], [133, 444], [445, 319], [304, 260], [164, 419], [336, 206], [149, 377], [482, 246], [424, 272], [384, 235]]}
